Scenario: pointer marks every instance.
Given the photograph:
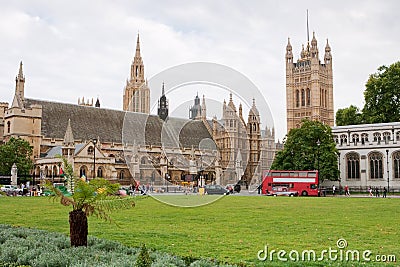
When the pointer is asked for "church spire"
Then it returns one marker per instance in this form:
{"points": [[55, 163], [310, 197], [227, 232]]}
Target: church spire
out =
{"points": [[137, 54], [137, 67], [19, 97], [69, 136]]}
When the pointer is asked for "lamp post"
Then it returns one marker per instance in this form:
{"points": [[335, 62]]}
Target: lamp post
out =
{"points": [[318, 144], [387, 167], [94, 158], [340, 180]]}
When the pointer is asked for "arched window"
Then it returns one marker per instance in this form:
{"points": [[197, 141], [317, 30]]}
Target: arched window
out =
{"points": [[144, 160], [100, 172], [121, 175], [397, 136], [353, 166], [396, 165], [90, 150], [308, 93], [375, 165], [297, 98], [82, 171], [355, 139], [8, 127], [326, 98], [336, 138], [364, 138], [303, 100], [377, 137], [386, 137], [54, 172], [343, 139]]}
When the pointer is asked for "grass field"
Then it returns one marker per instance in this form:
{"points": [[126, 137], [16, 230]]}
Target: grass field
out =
{"points": [[233, 228]]}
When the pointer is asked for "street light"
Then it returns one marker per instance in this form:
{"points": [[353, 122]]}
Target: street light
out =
{"points": [[340, 185], [318, 144], [94, 158], [387, 167]]}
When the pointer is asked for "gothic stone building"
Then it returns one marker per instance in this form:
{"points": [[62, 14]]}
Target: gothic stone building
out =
{"points": [[309, 86], [369, 155], [131, 144]]}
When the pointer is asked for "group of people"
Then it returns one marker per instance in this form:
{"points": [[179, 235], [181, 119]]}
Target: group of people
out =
{"points": [[376, 191]]}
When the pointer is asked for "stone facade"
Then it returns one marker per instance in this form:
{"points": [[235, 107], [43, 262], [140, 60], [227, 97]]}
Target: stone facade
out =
{"points": [[369, 155], [131, 145], [309, 86], [239, 143]]}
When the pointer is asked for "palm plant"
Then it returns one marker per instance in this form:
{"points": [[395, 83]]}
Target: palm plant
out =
{"points": [[96, 197]]}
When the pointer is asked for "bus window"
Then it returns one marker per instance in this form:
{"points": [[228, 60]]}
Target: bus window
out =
{"points": [[312, 174], [303, 174], [313, 186], [294, 174], [284, 174]]}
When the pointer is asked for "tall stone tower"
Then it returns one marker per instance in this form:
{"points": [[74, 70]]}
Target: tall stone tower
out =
{"points": [[254, 134], [309, 86], [137, 92]]}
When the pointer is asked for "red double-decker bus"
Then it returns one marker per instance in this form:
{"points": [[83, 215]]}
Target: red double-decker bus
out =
{"points": [[304, 183]]}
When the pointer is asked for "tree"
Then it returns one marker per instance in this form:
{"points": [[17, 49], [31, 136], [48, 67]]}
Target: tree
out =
{"points": [[17, 151], [382, 95], [349, 116], [96, 197], [302, 152]]}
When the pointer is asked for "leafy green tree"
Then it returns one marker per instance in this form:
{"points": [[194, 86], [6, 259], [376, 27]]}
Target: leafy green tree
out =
{"points": [[302, 152], [17, 151], [382, 95], [96, 197], [349, 116]]}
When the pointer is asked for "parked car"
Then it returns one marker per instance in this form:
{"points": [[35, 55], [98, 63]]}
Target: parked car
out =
{"points": [[11, 189], [283, 193], [215, 190]]}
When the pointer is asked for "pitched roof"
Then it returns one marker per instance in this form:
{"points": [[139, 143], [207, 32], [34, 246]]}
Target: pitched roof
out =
{"points": [[118, 126]]}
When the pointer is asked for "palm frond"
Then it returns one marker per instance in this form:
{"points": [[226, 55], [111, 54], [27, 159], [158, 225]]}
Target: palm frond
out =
{"points": [[58, 195], [101, 207]]}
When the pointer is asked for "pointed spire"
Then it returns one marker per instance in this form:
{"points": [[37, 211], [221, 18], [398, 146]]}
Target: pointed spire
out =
{"points": [[97, 105], [19, 97], [327, 47], [314, 41], [20, 72], [69, 136], [203, 108], [162, 90], [231, 105], [137, 54], [288, 46]]}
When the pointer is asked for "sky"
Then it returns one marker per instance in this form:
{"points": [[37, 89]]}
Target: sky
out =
{"points": [[74, 49]]}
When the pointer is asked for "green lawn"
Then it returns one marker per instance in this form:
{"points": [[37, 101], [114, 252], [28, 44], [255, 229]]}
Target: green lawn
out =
{"points": [[233, 228]]}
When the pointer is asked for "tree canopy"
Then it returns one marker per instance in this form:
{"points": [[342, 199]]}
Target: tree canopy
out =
{"points": [[381, 96], [349, 116], [17, 151], [302, 152]]}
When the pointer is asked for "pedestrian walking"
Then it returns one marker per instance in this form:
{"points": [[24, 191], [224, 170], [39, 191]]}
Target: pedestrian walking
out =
{"points": [[346, 191], [370, 191], [384, 192], [376, 192], [333, 190]]}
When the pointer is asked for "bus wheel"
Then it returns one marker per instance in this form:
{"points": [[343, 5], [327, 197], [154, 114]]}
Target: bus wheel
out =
{"points": [[291, 195], [304, 193]]}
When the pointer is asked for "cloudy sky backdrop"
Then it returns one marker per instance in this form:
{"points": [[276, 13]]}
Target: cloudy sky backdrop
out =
{"points": [[72, 49]]}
